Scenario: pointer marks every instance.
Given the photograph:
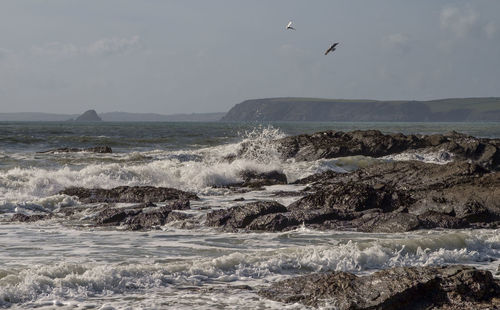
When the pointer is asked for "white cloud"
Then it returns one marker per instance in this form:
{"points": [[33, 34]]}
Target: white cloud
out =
{"points": [[462, 22], [107, 46], [112, 46], [398, 41], [459, 21], [490, 29]]}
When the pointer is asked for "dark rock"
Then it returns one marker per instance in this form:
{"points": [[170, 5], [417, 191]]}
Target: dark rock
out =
{"points": [[329, 174], [432, 219], [88, 116], [353, 196], [274, 222], [451, 287], [143, 216], [96, 149], [387, 222], [19, 217], [256, 180], [129, 194], [373, 143], [240, 217], [387, 197]]}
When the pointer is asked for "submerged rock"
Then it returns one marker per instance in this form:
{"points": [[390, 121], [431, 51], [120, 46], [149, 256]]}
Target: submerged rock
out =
{"points": [[95, 149], [130, 194], [451, 287]]}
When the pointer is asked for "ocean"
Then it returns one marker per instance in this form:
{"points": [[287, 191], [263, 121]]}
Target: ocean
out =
{"points": [[65, 264]]}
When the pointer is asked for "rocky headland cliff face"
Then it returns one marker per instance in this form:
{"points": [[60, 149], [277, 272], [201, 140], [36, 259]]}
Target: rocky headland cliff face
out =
{"points": [[312, 109]]}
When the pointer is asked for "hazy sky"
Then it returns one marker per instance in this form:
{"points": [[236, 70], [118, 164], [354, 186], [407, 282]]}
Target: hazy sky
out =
{"points": [[178, 56]]}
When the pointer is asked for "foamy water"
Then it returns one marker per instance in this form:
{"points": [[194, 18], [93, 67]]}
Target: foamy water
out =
{"points": [[64, 264]]}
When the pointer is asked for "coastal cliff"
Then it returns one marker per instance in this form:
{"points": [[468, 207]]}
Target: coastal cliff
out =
{"points": [[311, 109]]}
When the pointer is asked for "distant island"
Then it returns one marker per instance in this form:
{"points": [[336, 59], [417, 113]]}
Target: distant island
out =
{"points": [[314, 109], [89, 116]]}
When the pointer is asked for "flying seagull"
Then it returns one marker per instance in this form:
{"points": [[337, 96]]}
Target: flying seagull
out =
{"points": [[289, 26], [332, 48]]}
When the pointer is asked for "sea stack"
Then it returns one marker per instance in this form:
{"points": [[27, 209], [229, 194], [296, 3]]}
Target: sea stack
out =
{"points": [[89, 116]]}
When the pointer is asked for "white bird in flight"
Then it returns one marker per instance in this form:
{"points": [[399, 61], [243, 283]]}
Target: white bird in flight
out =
{"points": [[289, 26]]}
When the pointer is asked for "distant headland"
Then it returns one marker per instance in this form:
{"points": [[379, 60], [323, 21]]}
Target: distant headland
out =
{"points": [[293, 109], [315, 109]]}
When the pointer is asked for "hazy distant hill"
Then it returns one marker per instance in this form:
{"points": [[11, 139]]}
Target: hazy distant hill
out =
{"points": [[312, 109], [151, 117], [113, 117], [35, 117]]}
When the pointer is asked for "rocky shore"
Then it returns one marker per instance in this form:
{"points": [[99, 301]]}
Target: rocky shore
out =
{"points": [[386, 196], [451, 287]]}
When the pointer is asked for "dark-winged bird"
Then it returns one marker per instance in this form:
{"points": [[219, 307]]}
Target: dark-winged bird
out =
{"points": [[289, 26], [332, 48]]}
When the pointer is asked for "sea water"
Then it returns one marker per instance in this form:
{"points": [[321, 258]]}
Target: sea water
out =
{"points": [[68, 265]]}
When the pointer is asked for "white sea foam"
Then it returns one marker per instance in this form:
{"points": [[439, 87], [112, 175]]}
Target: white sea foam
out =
{"points": [[175, 262], [436, 157]]}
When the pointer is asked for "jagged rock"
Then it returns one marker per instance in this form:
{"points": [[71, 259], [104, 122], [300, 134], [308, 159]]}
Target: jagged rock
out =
{"points": [[240, 217], [387, 197], [451, 287], [96, 149], [143, 216], [255, 179], [19, 217], [128, 194], [373, 143]]}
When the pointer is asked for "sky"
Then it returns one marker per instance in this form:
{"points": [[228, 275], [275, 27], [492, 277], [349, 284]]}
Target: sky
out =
{"points": [[199, 56]]}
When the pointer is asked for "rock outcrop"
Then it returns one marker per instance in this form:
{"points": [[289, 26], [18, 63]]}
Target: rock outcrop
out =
{"points": [[130, 194], [451, 287], [95, 149], [89, 116], [141, 217], [388, 197], [373, 143]]}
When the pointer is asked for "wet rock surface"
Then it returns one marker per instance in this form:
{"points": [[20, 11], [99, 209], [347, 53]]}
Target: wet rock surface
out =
{"points": [[332, 144], [242, 216], [130, 194], [256, 180], [388, 197], [451, 287], [141, 217], [96, 149]]}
